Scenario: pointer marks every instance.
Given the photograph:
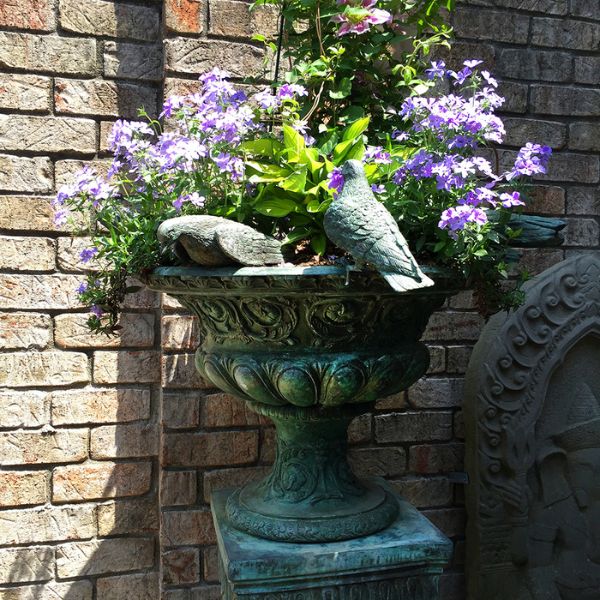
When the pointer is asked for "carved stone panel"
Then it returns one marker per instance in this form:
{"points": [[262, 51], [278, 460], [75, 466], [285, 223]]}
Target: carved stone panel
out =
{"points": [[532, 413]]}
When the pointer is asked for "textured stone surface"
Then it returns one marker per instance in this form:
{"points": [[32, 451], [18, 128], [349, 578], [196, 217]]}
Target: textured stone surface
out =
{"points": [[490, 24], [585, 135], [570, 101], [21, 174], [179, 371], [132, 61], [71, 331], [127, 366], [187, 527], [29, 447], [230, 478], [82, 590], [583, 201], [188, 55], [131, 440], [23, 487], [180, 332], [185, 16], [25, 408], [24, 92], [74, 483], [181, 566], [24, 369], [587, 69], [37, 53], [47, 524], [96, 97], [178, 488], [100, 17], [26, 564], [436, 393], [413, 426], [181, 410], [223, 410], [27, 213], [378, 462], [27, 254], [21, 330], [520, 131], [134, 516], [144, 586], [535, 64], [81, 407], [425, 493], [232, 18], [436, 458], [106, 556], [572, 34], [39, 291], [28, 14]]}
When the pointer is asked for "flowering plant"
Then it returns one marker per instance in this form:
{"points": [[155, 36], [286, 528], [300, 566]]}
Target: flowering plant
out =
{"points": [[272, 159]]}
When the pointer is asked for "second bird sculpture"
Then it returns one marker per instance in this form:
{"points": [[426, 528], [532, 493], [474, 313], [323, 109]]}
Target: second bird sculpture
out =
{"points": [[361, 225]]}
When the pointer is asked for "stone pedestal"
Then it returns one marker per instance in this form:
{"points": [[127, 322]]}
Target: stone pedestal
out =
{"points": [[402, 562]]}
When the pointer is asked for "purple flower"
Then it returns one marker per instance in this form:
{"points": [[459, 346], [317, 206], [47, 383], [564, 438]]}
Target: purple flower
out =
{"points": [[378, 189], [87, 254], [266, 99], [96, 310], [400, 176], [172, 104], [532, 159], [479, 196], [512, 199], [400, 136], [60, 218], [458, 217], [289, 90], [461, 76], [489, 79], [437, 69], [82, 287], [336, 181], [377, 155], [472, 63], [194, 198]]}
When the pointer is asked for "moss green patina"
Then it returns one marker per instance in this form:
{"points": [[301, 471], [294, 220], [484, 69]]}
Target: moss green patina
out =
{"points": [[311, 349]]}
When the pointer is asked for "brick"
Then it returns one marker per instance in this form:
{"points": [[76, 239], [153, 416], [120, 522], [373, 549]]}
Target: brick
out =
{"points": [[181, 410], [112, 19], [235, 19], [105, 98], [450, 520], [585, 8], [27, 213], [20, 174], [437, 359], [206, 592], [587, 69], [132, 61], [24, 369], [34, 564], [463, 299], [27, 253], [534, 64], [180, 87], [425, 493], [210, 449], [179, 371], [536, 260], [439, 392], [26, 408], [71, 331], [28, 14], [210, 564], [501, 26], [393, 402], [89, 481], [565, 33], [39, 291], [184, 16], [520, 131], [231, 478], [516, 96], [181, 566], [578, 168], [140, 586], [582, 232], [585, 135], [190, 55], [568, 101], [143, 298], [82, 590], [19, 488], [105, 129], [68, 255], [25, 331], [458, 358], [223, 410], [583, 201], [82, 407], [47, 54], [47, 134], [178, 488], [187, 527], [459, 425], [135, 516], [130, 440], [24, 92], [47, 524], [453, 326], [461, 51], [546, 199], [549, 7], [436, 458], [360, 429], [413, 426], [180, 332], [378, 462], [65, 171], [36, 447], [104, 557], [127, 366]]}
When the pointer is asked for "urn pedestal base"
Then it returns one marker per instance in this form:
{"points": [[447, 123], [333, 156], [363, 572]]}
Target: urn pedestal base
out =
{"points": [[402, 562]]}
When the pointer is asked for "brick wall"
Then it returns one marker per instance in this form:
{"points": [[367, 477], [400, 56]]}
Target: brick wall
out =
{"points": [[83, 419]]}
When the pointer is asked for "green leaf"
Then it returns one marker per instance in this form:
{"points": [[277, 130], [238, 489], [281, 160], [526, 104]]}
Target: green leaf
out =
{"points": [[340, 151], [293, 142], [318, 243], [329, 142], [355, 129], [342, 90], [295, 182], [356, 152], [262, 147], [297, 234], [275, 207]]}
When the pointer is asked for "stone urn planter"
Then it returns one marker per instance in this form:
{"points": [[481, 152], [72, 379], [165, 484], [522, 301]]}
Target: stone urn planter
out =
{"points": [[310, 349]]}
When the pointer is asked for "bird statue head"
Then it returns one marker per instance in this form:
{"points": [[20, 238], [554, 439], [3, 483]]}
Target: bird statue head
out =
{"points": [[353, 169]]}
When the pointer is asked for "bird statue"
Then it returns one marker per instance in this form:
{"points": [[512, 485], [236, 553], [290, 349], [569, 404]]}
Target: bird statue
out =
{"points": [[214, 241], [361, 225]]}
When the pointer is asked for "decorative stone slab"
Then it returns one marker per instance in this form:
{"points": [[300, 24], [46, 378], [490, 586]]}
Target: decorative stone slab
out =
{"points": [[532, 415], [402, 562]]}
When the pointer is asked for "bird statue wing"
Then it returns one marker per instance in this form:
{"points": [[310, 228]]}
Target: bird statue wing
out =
{"points": [[358, 223], [248, 246]]}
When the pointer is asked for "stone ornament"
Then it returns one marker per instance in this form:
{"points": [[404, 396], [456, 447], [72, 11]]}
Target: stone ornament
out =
{"points": [[532, 412], [214, 241], [362, 226]]}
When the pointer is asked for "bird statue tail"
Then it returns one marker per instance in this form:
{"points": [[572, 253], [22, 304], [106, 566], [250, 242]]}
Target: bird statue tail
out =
{"points": [[405, 283]]}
